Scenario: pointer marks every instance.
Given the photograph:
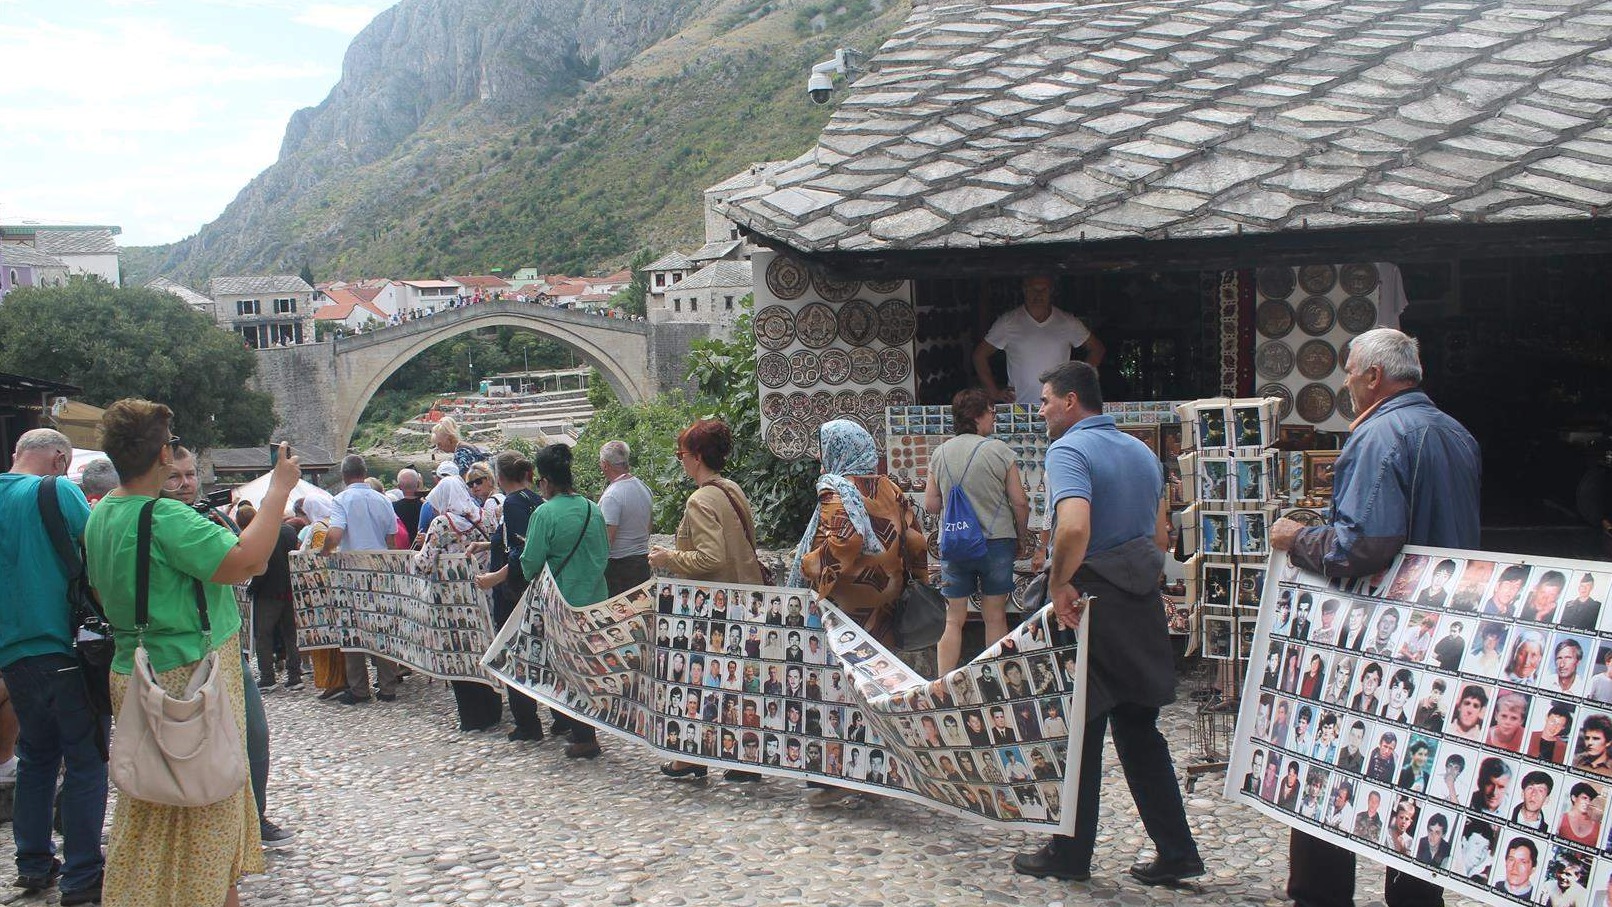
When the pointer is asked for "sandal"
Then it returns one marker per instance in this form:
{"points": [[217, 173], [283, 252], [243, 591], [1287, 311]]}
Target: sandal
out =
{"points": [[684, 770]]}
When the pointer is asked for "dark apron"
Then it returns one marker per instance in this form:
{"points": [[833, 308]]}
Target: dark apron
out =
{"points": [[1130, 659]]}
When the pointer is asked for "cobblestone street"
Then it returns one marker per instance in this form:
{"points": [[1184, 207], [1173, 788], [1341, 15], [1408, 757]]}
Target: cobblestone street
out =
{"points": [[391, 805]]}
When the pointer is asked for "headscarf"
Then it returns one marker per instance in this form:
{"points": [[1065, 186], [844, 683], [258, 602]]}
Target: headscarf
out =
{"points": [[452, 499], [847, 451], [317, 509]]}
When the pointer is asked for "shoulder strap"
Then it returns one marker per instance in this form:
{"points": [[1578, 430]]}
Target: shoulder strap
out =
{"points": [[142, 575], [586, 522], [749, 533], [50, 512]]}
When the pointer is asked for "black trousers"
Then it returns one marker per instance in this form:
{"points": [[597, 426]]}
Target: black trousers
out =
{"points": [[275, 618], [1321, 874], [479, 705], [1149, 773], [623, 573]]}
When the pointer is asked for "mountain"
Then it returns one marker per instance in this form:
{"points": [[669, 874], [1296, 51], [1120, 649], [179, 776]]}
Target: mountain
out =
{"points": [[558, 134]]}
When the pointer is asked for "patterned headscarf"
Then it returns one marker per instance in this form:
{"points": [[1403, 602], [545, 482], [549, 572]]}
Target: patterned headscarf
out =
{"points": [[848, 450], [452, 498]]}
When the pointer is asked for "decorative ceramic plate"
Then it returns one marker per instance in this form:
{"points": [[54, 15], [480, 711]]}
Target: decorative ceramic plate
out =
{"points": [[870, 407], [1275, 283], [1317, 279], [787, 278], [1345, 405], [798, 406], [899, 397], [1305, 517], [845, 403], [1357, 314], [803, 368], [835, 365], [775, 327], [822, 406], [885, 287], [859, 324], [864, 366], [897, 322], [814, 442], [1274, 359], [835, 290], [1358, 279], [1314, 402], [788, 438], [772, 370], [1274, 318], [772, 405], [816, 325], [1281, 393], [894, 366], [1316, 315], [1317, 359]]}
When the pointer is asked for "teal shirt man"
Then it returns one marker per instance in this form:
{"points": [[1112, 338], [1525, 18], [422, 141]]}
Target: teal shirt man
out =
{"points": [[34, 618]]}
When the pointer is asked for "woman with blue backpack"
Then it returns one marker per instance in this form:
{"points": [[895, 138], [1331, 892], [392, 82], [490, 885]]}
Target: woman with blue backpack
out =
{"points": [[974, 487]]}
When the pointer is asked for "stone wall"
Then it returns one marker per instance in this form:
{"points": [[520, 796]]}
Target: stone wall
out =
{"points": [[302, 380], [669, 345]]}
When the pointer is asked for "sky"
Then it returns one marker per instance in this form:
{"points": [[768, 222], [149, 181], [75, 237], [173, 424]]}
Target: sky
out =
{"points": [[152, 114]]}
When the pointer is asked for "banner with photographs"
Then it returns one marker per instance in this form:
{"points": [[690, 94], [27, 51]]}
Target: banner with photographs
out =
{"points": [[776, 681], [437, 622], [1450, 716]]}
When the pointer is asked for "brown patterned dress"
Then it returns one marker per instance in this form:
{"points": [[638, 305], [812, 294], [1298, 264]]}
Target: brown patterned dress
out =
{"points": [[865, 586]]}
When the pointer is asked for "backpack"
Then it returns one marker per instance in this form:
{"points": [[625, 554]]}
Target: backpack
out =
{"points": [[477, 455], [961, 537]]}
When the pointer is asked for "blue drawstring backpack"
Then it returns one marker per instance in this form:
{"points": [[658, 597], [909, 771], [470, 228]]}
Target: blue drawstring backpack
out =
{"points": [[961, 537]]}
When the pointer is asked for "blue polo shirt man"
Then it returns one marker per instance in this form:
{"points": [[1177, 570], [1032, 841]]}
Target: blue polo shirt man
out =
{"points": [[363, 520], [1106, 490]]}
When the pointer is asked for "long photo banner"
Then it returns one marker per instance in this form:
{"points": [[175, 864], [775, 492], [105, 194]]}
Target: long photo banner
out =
{"points": [[776, 681], [435, 621], [1450, 717]]}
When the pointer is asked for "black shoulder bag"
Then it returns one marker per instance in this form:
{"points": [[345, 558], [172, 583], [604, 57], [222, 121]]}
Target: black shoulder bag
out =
{"points": [[92, 634]]}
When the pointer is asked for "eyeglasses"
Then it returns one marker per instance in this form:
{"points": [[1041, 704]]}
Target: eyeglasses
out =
{"points": [[173, 443], [478, 482]]}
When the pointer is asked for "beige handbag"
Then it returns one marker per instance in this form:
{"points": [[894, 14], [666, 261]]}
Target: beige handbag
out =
{"points": [[175, 751]]}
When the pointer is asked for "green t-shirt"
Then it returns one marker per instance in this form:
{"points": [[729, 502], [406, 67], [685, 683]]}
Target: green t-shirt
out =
{"points": [[554, 529], [184, 546]]}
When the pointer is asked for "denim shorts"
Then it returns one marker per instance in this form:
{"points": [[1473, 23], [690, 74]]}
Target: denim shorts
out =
{"points": [[988, 575]]}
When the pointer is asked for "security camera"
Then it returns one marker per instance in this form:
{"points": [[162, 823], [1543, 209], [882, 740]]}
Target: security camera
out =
{"points": [[819, 87]]}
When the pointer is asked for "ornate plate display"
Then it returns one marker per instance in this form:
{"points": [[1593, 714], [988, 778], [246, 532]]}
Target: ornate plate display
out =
{"points": [[823, 406], [1281, 393], [1305, 517], [772, 370], [798, 406], [814, 443], [1357, 314], [788, 438], [1314, 402], [803, 368], [1317, 359], [835, 290], [899, 397], [816, 325], [894, 366], [835, 365], [845, 403], [772, 405], [1275, 283], [1274, 360], [897, 322], [864, 366], [1274, 318], [1317, 279], [1358, 279], [1316, 315], [1345, 405], [870, 407], [775, 327], [787, 278], [859, 324], [885, 287]]}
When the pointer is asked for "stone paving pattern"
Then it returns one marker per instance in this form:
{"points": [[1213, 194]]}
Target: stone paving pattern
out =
{"points": [[392, 805], [989, 124]]}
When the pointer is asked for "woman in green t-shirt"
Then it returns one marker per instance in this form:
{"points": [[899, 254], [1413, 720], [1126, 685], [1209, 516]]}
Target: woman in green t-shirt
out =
{"points": [[567, 534], [199, 851]]}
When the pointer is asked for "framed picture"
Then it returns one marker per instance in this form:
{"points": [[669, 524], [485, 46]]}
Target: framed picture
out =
{"points": [[1219, 640], [1318, 472], [1147, 434], [1219, 583], [1295, 437]]}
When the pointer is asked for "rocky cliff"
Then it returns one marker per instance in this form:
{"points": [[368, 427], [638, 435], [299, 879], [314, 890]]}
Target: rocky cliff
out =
{"points": [[470, 134]]}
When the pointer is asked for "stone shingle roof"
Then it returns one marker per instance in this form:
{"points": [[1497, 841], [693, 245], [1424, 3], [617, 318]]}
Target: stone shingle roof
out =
{"points": [[76, 242], [671, 261], [711, 251], [718, 274], [27, 257], [257, 458], [749, 176], [247, 286], [994, 124], [196, 300]]}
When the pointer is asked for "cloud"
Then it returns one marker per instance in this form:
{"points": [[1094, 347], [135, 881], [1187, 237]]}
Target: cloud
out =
{"points": [[348, 20]]}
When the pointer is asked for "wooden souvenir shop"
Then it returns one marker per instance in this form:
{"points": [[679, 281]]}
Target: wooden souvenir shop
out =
{"points": [[25, 404]]}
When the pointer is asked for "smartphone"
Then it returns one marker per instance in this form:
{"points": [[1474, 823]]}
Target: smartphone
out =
{"points": [[274, 454]]}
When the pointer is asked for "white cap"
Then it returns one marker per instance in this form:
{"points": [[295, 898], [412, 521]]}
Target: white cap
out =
{"points": [[447, 468]]}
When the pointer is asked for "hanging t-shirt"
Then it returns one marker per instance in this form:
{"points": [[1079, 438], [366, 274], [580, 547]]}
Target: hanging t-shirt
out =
{"points": [[1033, 347]]}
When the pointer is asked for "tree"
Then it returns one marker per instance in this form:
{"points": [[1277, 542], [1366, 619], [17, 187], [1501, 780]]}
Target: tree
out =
{"points": [[307, 274], [635, 299], [137, 342]]}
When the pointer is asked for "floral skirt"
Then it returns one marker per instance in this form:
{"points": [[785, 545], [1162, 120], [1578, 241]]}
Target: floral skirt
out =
{"points": [[179, 856]]}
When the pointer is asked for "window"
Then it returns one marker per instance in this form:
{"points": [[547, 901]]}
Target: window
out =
{"points": [[253, 334], [677, 305], [245, 307], [733, 232], [727, 303], [693, 304], [285, 306], [660, 280]]}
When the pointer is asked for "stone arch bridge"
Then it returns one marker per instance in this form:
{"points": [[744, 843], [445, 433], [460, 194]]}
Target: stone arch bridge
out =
{"points": [[321, 389]]}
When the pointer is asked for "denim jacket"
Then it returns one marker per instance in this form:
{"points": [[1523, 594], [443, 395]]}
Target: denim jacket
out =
{"points": [[1408, 476]]}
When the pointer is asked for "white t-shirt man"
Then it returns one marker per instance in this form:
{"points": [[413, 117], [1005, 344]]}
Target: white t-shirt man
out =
{"points": [[627, 505], [1034, 347]]}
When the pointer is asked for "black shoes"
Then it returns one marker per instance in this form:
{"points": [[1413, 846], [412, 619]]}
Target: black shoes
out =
{"points": [[687, 770], [1167, 872], [1049, 863], [34, 884], [534, 735], [89, 894], [273, 836], [347, 698], [386, 697], [588, 750]]}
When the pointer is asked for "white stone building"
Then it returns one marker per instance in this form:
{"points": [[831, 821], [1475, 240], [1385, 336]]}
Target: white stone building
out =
{"points": [[84, 249], [710, 296], [266, 311]]}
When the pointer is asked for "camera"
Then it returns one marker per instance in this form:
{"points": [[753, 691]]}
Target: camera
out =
{"points": [[820, 87]]}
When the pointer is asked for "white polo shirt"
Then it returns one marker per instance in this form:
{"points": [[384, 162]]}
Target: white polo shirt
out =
{"points": [[1033, 347]]}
